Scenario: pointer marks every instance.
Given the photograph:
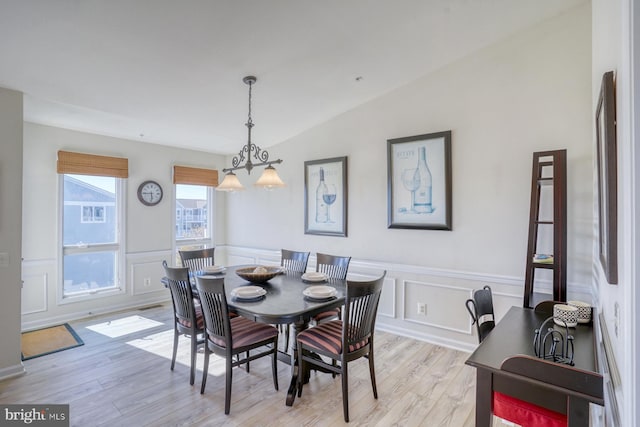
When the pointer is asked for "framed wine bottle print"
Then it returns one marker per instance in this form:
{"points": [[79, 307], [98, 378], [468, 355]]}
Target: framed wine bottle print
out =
{"points": [[419, 181], [325, 197]]}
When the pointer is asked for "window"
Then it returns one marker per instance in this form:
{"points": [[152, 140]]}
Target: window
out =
{"points": [[91, 212], [194, 202], [193, 229]]}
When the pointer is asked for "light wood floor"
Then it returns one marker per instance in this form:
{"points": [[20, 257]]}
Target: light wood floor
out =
{"points": [[125, 380]]}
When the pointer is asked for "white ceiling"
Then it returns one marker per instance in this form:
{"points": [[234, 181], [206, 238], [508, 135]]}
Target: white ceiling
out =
{"points": [[170, 72]]}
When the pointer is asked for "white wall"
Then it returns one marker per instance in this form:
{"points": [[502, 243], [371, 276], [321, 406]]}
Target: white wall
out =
{"points": [[613, 26], [148, 229], [10, 226], [529, 93]]}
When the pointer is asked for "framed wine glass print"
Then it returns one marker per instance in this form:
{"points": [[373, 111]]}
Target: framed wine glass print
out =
{"points": [[419, 181], [607, 178], [325, 197]]}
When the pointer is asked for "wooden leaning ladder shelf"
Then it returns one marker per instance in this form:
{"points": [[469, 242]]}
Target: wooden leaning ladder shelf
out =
{"points": [[549, 172]]}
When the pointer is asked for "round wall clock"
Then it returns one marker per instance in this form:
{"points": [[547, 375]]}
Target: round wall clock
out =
{"points": [[150, 193]]}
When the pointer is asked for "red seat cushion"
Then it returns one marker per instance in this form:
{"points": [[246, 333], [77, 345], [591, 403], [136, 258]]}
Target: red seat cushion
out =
{"points": [[246, 332], [199, 317], [327, 315], [524, 413], [327, 337]]}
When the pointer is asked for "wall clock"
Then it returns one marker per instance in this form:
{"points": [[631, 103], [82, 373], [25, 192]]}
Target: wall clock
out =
{"points": [[150, 193]]}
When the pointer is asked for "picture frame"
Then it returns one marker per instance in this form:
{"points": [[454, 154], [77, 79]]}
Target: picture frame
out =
{"points": [[325, 197], [606, 149], [419, 181]]}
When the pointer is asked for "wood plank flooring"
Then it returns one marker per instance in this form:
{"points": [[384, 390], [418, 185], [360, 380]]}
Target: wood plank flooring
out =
{"points": [[125, 380]]}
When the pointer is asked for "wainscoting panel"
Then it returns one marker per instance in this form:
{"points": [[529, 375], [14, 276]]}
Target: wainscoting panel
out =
{"points": [[436, 305], [34, 292], [145, 277]]}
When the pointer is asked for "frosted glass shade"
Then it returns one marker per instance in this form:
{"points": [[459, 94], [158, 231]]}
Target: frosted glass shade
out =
{"points": [[269, 179], [230, 183]]}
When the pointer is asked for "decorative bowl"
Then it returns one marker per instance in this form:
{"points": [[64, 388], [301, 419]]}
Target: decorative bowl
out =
{"points": [[258, 273], [584, 311], [563, 313]]}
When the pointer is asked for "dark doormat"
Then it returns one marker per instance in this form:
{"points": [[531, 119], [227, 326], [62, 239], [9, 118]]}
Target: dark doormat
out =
{"points": [[49, 340]]}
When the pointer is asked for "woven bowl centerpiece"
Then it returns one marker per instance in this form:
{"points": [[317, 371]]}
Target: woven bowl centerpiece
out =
{"points": [[258, 273]]}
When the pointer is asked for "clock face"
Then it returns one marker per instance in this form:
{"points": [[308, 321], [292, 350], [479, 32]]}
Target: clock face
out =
{"points": [[150, 193]]}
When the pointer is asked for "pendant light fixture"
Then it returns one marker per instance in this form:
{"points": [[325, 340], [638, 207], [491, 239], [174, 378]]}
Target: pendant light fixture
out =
{"points": [[269, 178]]}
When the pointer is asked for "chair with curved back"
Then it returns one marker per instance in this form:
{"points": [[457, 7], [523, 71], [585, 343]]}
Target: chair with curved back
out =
{"points": [[229, 337], [480, 307], [344, 340], [187, 317], [334, 267], [295, 262], [546, 307], [197, 259]]}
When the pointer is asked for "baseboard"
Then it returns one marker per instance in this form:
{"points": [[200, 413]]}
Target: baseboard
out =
{"points": [[12, 371]]}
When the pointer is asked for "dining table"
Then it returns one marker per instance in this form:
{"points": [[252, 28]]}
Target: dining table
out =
{"points": [[283, 303]]}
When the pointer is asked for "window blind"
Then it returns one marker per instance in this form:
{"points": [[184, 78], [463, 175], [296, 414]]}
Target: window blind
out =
{"points": [[91, 164], [195, 176]]}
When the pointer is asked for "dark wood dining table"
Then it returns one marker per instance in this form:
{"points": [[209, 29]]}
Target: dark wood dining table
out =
{"points": [[284, 303]]}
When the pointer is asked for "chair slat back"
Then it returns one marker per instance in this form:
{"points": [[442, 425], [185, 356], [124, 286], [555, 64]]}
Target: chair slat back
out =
{"points": [[215, 309], [294, 261], [360, 309], [335, 267], [181, 293], [197, 259], [481, 310]]}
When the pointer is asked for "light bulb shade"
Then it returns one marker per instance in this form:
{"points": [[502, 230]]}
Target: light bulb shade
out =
{"points": [[230, 183], [269, 179]]}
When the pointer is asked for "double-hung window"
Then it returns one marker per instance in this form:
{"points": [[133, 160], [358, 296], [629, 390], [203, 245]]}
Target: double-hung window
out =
{"points": [[194, 208], [91, 213]]}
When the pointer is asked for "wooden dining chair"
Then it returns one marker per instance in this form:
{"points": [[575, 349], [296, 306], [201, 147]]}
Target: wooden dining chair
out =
{"points": [[294, 261], [229, 337], [546, 307], [334, 267], [345, 340], [197, 259], [187, 314], [480, 307]]}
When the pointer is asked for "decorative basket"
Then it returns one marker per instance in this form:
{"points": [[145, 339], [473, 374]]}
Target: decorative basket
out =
{"points": [[563, 313], [263, 274], [584, 311]]}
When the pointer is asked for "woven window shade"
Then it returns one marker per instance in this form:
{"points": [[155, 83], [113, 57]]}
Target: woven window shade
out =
{"points": [[195, 176], [90, 164]]}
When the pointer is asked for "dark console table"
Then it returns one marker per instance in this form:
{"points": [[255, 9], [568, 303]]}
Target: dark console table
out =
{"points": [[506, 363]]}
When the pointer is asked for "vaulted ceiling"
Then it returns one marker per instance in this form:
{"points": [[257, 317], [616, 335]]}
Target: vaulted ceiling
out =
{"points": [[170, 72]]}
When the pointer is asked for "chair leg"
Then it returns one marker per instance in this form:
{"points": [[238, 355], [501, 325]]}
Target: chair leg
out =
{"points": [[175, 347], [247, 367], [345, 391], [372, 373], [194, 351], [286, 337], [274, 362], [300, 370], [227, 392], [206, 366]]}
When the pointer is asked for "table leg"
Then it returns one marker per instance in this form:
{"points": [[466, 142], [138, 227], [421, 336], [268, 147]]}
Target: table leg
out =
{"points": [[484, 397], [295, 368], [578, 412]]}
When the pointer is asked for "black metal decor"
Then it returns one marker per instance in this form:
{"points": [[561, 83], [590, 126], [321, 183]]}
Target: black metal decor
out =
{"points": [[262, 156], [553, 344]]}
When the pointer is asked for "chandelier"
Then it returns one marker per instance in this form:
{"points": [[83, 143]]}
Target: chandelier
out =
{"points": [[269, 178]]}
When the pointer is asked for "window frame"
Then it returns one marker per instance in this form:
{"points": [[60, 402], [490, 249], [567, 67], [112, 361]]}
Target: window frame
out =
{"points": [[205, 242], [118, 247]]}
